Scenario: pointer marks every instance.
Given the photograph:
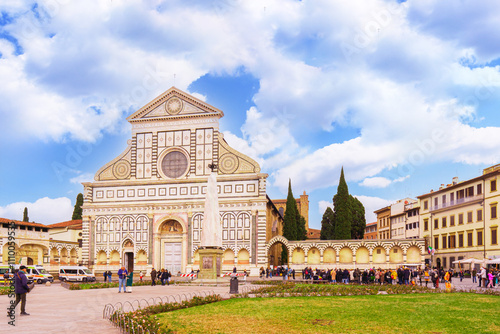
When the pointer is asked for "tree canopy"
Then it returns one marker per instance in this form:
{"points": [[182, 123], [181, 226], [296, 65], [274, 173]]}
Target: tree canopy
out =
{"points": [[77, 211]]}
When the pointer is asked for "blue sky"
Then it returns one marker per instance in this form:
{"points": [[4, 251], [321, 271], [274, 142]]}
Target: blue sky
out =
{"points": [[404, 95]]}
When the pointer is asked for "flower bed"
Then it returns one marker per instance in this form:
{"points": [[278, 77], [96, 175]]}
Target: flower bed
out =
{"points": [[145, 319], [84, 286]]}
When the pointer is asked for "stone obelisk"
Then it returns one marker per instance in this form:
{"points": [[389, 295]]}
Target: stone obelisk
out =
{"points": [[210, 250]]}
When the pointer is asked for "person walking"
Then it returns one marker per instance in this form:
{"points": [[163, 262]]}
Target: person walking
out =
{"points": [[490, 279], [109, 276], [130, 280], [483, 277], [474, 275], [141, 275], [21, 289], [122, 277], [153, 277], [105, 274]]}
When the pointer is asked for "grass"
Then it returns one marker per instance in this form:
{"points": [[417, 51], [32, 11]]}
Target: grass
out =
{"points": [[414, 313]]}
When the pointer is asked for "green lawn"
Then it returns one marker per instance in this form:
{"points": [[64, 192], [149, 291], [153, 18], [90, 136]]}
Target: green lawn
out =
{"points": [[413, 313]]}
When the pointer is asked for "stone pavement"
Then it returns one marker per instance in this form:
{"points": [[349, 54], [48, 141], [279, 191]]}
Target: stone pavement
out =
{"points": [[54, 309]]}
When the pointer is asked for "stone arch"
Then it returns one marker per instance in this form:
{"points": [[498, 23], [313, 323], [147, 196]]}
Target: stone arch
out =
{"points": [[170, 226], [243, 256], [278, 238], [114, 258], [396, 254], [142, 258], [329, 255], [313, 256], [73, 256], [298, 256], [362, 255], [175, 218], [345, 255], [228, 256], [379, 254], [64, 256], [54, 255], [101, 258], [274, 252], [413, 254]]}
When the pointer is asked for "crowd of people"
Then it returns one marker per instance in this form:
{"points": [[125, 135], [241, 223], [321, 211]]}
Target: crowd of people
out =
{"points": [[403, 275]]}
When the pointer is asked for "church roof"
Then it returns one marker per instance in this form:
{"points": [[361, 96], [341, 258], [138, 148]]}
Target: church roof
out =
{"points": [[72, 224]]}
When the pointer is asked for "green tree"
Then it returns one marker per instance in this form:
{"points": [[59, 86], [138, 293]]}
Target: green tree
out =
{"points": [[358, 224], [25, 215], [327, 227], [77, 211], [342, 206], [290, 218], [302, 231], [284, 255]]}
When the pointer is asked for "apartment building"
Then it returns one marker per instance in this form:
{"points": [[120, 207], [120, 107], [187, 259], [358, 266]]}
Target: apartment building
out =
{"points": [[384, 222], [371, 231], [399, 218], [461, 219], [412, 210]]}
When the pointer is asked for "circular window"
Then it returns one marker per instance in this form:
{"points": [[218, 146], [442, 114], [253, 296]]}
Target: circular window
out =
{"points": [[174, 164]]}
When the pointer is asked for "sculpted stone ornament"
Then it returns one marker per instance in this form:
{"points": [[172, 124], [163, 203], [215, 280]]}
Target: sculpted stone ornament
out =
{"points": [[211, 235]]}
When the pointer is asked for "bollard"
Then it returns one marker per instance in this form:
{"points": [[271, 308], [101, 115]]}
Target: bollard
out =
{"points": [[233, 285]]}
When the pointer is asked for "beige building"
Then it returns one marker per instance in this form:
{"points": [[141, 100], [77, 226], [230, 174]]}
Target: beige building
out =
{"points": [[412, 210], [384, 222], [461, 218], [302, 206], [371, 231], [398, 219]]}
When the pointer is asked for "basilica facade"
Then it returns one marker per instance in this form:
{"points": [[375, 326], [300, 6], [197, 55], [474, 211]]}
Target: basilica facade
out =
{"points": [[145, 207]]}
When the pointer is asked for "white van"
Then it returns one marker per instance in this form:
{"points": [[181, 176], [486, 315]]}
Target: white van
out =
{"points": [[6, 269], [40, 275], [76, 274]]}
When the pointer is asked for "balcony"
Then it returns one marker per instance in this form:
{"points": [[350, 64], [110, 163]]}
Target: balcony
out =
{"points": [[457, 202]]}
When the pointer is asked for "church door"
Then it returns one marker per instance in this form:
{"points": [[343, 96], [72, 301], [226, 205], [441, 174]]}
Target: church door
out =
{"points": [[173, 257]]}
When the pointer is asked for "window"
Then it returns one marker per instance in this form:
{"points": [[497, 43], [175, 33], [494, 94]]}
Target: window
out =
{"points": [[479, 238], [460, 218], [451, 241], [452, 198], [444, 199], [469, 192], [493, 185], [469, 239], [452, 259], [174, 164], [436, 202], [443, 242], [460, 240], [426, 225], [460, 195], [493, 211], [436, 223], [469, 217], [452, 220], [444, 262], [426, 205], [443, 222], [479, 189], [436, 243], [494, 240], [480, 215]]}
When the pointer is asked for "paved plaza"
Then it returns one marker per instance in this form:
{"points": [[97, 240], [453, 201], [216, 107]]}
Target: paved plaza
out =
{"points": [[54, 309]]}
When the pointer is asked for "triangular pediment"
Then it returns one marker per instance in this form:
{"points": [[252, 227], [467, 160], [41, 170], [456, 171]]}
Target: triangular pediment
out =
{"points": [[174, 104]]}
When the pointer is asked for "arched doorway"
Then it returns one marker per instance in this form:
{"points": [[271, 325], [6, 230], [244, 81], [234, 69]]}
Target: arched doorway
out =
{"points": [[128, 255], [171, 234], [277, 255]]}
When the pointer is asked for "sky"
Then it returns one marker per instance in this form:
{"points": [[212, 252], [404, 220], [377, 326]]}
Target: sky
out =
{"points": [[405, 95]]}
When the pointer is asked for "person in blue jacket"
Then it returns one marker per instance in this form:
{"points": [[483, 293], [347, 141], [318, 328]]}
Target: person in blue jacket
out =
{"points": [[21, 288]]}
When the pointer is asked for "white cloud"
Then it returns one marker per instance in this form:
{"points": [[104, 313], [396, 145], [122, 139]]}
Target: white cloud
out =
{"points": [[322, 205], [44, 210], [83, 177], [380, 182], [372, 204]]}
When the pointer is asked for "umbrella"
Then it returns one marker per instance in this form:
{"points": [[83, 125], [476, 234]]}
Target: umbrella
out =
{"points": [[494, 261], [463, 261]]}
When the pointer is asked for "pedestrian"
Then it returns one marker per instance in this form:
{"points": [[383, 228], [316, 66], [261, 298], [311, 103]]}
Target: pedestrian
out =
{"points": [[474, 275], [130, 280], [490, 279], [105, 274], [6, 278], [169, 275], [153, 277], [21, 289], [109, 276], [122, 277]]}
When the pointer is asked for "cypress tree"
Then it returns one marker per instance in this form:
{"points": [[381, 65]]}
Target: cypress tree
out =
{"points": [[290, 218], [327, 227], [342, 210], [25, 215], [77, 211], [302, 231], [358, 225]]}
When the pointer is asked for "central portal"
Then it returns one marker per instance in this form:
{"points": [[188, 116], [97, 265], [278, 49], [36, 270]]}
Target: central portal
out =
{"points": [[173, 257]]}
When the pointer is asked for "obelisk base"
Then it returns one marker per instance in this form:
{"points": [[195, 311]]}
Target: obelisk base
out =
{"points": [[210, 263]]}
